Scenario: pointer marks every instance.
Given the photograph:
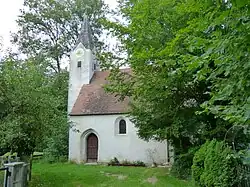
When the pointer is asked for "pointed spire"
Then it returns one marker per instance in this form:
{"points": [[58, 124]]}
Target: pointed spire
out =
{"points": [[85, 36]]}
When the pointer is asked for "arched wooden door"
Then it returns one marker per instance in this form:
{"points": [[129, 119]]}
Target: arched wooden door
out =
{"points": [[92, 148]]}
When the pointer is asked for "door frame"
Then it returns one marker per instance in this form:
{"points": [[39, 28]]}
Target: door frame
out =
{"points": [[83, 144]]}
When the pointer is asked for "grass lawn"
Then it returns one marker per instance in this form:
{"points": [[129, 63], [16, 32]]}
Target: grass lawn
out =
{"points": [[72, 175], [1, 178]]}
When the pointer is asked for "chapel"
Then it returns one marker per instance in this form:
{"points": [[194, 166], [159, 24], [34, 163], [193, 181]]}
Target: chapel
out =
{"points": [[100, 127]]}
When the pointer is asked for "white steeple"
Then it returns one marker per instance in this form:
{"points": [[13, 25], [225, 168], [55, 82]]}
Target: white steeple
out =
{"points": [[82, 63], [85, 36]]}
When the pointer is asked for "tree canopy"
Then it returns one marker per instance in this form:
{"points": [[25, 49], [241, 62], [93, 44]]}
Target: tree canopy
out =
{"points": [[30, 111], [190, 63], [48, 29], [33, 98]]}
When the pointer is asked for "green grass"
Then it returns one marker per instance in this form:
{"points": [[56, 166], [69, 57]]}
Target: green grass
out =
{"points": [[72, 175], [1, 178]]}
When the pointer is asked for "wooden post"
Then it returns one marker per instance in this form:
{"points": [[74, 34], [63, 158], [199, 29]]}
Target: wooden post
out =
{"points": [[168, 155], [9, 159], [16, 177]]}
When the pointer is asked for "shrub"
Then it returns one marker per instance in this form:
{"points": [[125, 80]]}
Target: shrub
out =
{"points": [[63, 159], [181, 167], [114, 162], [139, 163], [198, 163], [56, 147], [135, 163], [126, 163], [49, 158], [215, 164], [246, 157], [3, 150]]}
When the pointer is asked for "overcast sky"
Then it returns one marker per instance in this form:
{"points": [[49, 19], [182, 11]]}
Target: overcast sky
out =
{"points": [[9, 10]]}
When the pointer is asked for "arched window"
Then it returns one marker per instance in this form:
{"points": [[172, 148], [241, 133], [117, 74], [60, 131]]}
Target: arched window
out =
{"points": [[122, 127]]}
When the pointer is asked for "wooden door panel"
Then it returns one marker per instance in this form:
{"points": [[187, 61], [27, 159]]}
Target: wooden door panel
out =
{"points": [[92, 148]]}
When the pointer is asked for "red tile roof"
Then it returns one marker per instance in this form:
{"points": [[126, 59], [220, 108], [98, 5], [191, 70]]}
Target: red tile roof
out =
{"points": [[93, 100]]}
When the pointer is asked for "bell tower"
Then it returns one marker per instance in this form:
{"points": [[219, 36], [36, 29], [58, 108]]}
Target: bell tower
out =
{"points": [[82, 63]]}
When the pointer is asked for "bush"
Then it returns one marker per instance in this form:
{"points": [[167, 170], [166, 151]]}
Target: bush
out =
{"points": [[215, 164], [246, 157], [56, 150], [114, 162], [139, 163], [198, 163], [126, 163], [181, 167], [135, 163], [3, 150]]}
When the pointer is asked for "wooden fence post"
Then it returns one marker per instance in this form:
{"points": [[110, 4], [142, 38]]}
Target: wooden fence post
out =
{"points": [[16, 178]]}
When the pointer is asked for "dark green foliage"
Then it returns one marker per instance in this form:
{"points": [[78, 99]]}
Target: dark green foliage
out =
{"points": [[134, 163], [165, 95], [56, 148], [182, 165], [246, 157], [198, 163], [116, 162], [190, 71], [139, 163], [35, 116], [215, 164], [55, 145], [170, 81]]}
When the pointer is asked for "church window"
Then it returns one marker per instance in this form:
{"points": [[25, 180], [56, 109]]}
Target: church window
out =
{"points": [[79, 64], [122, 127]]}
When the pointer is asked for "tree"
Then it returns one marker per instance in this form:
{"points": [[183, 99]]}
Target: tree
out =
{"points": [[219, 30], [48, 29], [183, 85], [176, 50], [31, 111]]}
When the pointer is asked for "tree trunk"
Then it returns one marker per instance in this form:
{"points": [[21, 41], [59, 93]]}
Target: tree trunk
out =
{"points": [[27, 159], [58, 64], [30, 168]]}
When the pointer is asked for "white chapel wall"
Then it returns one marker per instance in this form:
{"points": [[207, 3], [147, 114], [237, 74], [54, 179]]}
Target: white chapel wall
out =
{"points": [[112, 144]]}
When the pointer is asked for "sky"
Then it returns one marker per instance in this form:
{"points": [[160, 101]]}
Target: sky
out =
{"points": [[9, 11]]}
